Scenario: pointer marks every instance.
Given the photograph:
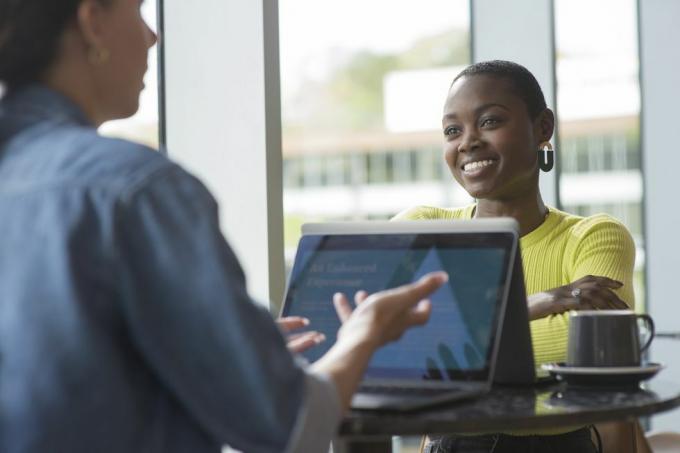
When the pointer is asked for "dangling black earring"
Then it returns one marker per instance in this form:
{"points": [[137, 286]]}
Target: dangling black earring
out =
{"points": [[546, 157]]}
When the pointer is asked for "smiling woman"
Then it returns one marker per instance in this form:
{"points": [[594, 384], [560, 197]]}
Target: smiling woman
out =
{"points": [[495, 125], [490, 146]]}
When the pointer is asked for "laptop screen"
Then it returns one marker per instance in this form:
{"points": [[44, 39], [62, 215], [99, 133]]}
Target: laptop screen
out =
{"points": [[457, 343]]}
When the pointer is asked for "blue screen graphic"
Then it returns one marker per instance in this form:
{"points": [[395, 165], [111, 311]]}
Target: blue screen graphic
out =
{"points": [[458, 336]]}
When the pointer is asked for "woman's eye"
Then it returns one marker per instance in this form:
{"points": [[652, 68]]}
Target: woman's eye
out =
{"points": [[451, 131], [489, 122]]}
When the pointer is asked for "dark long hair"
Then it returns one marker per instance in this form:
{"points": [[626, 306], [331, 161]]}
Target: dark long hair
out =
{"points": [[30, 31]]}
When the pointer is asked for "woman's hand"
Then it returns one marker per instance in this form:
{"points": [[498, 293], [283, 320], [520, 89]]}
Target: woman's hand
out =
{"points": [[384, 316], [377, 319], [588, 293], [299, 342]]}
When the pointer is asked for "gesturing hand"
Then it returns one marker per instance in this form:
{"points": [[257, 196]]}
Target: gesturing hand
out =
{"points": [[299, 342], [586, 293], [384, 316], [377, 319]]}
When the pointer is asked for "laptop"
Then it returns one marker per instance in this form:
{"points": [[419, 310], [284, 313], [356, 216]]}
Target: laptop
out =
{"points": [[452, 357]]}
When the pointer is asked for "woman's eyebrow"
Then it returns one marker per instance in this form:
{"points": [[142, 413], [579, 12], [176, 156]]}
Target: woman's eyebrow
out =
{"points": [[477, 110], [483, 107]]}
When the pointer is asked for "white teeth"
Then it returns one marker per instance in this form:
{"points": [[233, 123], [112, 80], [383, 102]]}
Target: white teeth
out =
{"points": [[475, 165]]}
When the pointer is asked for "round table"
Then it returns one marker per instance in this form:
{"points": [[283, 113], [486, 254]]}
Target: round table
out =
{"points": [[508, 408]]}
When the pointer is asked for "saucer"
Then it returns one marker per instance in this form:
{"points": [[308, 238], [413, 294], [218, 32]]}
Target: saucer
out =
{"points": [[623, 376]]}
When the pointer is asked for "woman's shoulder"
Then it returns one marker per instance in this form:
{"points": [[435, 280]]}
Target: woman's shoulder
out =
{"points": [[109, 162], [601, 222], [597, 227], [116, 153], [434, 213], [98, 143]]}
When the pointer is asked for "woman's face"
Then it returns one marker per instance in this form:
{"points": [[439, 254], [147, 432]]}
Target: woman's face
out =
{"points": [[491, 142], [128, 39]]}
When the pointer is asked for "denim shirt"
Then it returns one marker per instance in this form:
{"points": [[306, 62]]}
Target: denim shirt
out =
{"points": [[125, 325]]}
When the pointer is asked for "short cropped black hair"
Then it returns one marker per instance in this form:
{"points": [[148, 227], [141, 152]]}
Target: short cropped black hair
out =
{"points": [[30, 31], [522, 80]]}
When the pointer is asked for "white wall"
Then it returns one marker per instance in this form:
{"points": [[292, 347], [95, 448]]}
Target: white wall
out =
{"points": [[660, 74], [223, 122]]}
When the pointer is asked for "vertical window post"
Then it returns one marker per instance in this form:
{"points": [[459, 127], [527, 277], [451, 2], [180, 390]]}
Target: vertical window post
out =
{"points": [[223, 122]]}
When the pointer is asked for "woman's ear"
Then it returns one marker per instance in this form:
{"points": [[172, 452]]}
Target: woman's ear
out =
{"points": [[90, 21], [544, 125]]}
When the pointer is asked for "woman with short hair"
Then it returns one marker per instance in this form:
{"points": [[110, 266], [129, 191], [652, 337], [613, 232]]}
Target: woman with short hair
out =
{"points": [[497, 128]]}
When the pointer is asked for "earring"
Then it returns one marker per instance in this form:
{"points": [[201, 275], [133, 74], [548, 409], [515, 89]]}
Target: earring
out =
{"points": [[98, 56], [546, 157]]}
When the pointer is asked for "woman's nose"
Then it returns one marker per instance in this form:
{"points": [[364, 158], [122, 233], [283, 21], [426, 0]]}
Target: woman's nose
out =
{"points": [[469, 142], [153, 37]]}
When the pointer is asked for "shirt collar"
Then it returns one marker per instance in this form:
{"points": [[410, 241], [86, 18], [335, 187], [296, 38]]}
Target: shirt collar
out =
{"points": [[39, 102]]}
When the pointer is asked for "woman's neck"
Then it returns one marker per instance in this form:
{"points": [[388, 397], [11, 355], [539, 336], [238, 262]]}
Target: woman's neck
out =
{"points": [[529, 211], [82, 97], [70, 75]]}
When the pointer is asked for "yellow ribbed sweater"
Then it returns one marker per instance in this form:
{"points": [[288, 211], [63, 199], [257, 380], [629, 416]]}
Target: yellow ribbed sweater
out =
{"points": [[561, 250]]}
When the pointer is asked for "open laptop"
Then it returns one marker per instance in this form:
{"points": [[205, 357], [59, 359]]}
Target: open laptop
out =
{"points": [[452, 357]]}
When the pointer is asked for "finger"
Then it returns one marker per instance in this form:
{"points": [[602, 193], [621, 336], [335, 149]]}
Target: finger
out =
{"points": [[585, 305], [342, 306], [620, 304], [418, 316], [602, 281], [305, 341], [615, 301], [589, 298], [303, 344], [360, 296], [289, 323], [409, 295], [407, 318], [293, 336], [602, 299]]}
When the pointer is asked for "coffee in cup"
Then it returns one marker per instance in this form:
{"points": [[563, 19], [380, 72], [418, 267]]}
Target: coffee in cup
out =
{"points": [[607, 338]]}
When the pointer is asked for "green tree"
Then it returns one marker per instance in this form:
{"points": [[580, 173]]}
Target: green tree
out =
{"points": [[351, 99]]}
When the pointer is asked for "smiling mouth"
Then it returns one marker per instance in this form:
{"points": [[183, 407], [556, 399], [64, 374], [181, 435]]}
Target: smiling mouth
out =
{"points": [[477, 165]]}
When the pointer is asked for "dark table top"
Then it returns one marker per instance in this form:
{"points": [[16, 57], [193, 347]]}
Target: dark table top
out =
{"points": [[546, 406]]}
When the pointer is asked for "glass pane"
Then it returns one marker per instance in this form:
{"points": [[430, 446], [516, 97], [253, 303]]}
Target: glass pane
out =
{"points": [[598, 101], [363, 85], [143, 126]]}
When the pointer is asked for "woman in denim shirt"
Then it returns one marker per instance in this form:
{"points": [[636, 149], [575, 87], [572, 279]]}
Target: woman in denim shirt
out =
{"points": [[124, 320]]}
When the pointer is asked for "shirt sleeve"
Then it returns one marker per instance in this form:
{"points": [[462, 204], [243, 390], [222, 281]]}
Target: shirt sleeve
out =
{"points": [[604, 247], [413, 213], [319, 418], [188, 313], [599, 246]]}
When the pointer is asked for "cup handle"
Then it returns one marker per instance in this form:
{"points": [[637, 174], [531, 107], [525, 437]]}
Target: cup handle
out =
{"points": [[650, 327]]}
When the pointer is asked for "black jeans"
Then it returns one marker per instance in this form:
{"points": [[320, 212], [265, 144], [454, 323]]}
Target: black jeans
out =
{"points": [[578, 441]]}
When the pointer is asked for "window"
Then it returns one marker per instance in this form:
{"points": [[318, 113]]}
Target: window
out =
{"points": [[362, 88], [598, 103]]}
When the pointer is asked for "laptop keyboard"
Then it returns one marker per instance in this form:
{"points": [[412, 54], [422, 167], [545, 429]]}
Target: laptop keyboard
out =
{"points": [[411, 391]]}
